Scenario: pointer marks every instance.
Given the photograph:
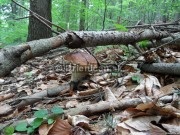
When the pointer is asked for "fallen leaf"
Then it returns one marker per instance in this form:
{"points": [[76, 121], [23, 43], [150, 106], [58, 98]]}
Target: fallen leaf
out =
{"points": [[172, 129], [145, 106], [154, 130], [4, 109], [109, 96], [60, 127], [79, 120], [142, 123], [44, 129]]}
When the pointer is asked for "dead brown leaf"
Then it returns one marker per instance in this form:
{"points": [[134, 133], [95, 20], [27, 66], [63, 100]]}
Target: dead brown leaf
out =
{"points": [[44, 129], [142, 123], [60, 127], [79, 120]]}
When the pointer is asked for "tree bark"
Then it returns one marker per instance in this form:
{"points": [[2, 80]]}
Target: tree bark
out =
{"points": [[162, 68], [12, 57], [36, 29], [82, 15]]}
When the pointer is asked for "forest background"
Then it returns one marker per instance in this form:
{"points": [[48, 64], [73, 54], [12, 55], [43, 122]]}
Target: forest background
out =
{"points": [[85, 15]]}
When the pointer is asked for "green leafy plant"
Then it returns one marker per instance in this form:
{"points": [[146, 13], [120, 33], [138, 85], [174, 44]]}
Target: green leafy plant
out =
{"points": [[121, 27], [136, 78], [57, 110], [41, 116], [143, 44], [21, 126], [9, 130], [110, 121]]}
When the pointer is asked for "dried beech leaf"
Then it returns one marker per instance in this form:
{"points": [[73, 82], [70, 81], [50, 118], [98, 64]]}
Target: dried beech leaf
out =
{"points": [[109, 96], [4, 109], [145, 106], [148, 86], [75, 120], [60, 127], [154, 130], [127, 129], [97, 78], [44, 129], [142, 123], [172, 129], [122, 131]]}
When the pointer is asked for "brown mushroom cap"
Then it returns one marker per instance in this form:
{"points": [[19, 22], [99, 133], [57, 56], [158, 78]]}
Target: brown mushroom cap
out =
{"points": [[81, 58]]}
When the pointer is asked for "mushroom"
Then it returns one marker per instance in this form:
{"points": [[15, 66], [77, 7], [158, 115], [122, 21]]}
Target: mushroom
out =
{"points": [[83, 61]]}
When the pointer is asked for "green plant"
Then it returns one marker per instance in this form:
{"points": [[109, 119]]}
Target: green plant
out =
{"points": [[136, 78], [121, 27], [9, 130], [143, 44], [110, 121], [41, 116]]}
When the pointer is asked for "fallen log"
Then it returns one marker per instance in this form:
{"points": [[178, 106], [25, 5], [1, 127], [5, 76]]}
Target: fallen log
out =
{"points": [[161, 68], [13, 57], [165, 40]]}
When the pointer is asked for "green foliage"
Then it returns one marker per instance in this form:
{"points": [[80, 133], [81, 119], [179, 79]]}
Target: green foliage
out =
{"points": [[36, 123], [21, 126], [110, 121], [57, 110], [30, 130], [143, 44], [136, 78], [50, 121], [42, 116], [41, 113], [102, 48], [121, 27], [9, 130], [4, 1]]}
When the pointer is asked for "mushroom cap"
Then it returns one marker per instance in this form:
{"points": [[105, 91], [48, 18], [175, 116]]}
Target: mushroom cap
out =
{"points": [[81, 58]]}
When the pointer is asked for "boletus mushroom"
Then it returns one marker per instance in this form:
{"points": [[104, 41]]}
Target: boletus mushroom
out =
{"points": [[83, 63]]}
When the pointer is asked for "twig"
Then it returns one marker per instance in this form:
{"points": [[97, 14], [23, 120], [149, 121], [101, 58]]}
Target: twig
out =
{"points": [[22, 17], [60, 98]]}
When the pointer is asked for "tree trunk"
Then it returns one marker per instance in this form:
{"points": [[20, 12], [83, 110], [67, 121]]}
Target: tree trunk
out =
{"points": [[68, 13], [36, 29], [14, 10], [82, 15]]}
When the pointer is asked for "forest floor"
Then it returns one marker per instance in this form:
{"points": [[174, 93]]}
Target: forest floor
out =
{"points": [[121, 100]]}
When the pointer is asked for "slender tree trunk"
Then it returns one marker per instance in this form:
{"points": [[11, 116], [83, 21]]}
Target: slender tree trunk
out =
{"points": [[165, 14], [105, 11], [14, 10], [177, 12], [36, 29], [82, 15], [67, 12]]}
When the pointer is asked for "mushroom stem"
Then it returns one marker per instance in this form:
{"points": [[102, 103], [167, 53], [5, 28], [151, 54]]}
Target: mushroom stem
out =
{"points": [[79, 74]]}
